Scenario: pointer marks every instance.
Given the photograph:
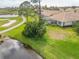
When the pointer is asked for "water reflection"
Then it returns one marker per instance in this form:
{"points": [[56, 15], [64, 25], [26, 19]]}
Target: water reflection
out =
{"points": [[12, 49]]}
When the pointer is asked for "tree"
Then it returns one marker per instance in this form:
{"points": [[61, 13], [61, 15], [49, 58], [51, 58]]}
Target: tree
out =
{"points": [[34, 28], [26, 9], [38, 1], [45, 7]]}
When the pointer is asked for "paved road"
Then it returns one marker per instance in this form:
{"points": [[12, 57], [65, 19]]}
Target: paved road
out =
{"points": [[24, 20]]}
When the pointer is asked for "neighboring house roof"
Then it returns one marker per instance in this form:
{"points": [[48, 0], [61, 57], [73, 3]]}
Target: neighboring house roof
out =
{"points": [[62, 16], [66, 16], [49, 12]]}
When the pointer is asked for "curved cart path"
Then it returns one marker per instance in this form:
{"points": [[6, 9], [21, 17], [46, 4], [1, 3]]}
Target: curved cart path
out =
{"points": [[11, 28]]}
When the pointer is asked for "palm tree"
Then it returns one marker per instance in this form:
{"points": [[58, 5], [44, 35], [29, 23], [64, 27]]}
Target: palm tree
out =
{"points": [[38, 1]]}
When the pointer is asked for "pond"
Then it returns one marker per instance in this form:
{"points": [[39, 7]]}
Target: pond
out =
{"points": [[6, 16], [13, 49]]}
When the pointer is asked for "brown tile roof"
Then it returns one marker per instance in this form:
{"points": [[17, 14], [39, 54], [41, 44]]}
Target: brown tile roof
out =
{"points": [[61, 16], [66, 16], [49, 12]]}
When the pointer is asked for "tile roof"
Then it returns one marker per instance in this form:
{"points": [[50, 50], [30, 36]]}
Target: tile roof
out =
{"points": [[62, 16], [66, 16], [49, 12]]}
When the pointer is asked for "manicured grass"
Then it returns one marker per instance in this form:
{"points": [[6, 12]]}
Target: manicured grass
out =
{"points": [[70, 34], [3, 22], [49, 48], [2, 28], [31, 19], [8, 11]]}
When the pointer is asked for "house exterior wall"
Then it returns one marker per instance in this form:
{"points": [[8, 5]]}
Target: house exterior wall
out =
{"points": [[60, 23], [68, 23], [50, 21]]}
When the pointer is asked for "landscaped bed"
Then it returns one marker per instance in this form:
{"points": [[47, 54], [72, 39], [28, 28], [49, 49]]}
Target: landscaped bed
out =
{"points": [[51, 47]]}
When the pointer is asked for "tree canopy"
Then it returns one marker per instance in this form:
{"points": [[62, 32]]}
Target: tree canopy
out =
{"points": [[26, 8]]}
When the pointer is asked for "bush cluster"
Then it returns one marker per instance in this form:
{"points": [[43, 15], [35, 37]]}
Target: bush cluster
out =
{"points": [[35, 29], [76, 27]]}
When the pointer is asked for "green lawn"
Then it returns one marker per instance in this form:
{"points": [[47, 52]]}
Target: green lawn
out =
{"points": [[3, 22], [51, 48], [8, 11]]}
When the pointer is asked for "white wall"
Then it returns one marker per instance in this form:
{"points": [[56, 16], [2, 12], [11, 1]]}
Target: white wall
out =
{"points": [[58, 22], [68, 23]]}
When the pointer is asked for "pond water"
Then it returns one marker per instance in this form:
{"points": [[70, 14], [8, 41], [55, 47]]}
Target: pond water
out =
{"points": [[13, 49], [6, 16]]}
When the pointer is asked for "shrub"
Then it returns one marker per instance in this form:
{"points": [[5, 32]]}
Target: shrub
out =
{"points": [[35, 29], [76, 27]]}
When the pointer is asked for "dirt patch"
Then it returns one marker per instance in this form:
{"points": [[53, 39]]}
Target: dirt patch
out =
{"points": [[56, 35]]}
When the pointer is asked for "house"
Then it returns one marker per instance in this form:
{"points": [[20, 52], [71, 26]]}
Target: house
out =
{"points": [[77, 10], [62, 18], [69, 10]]}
